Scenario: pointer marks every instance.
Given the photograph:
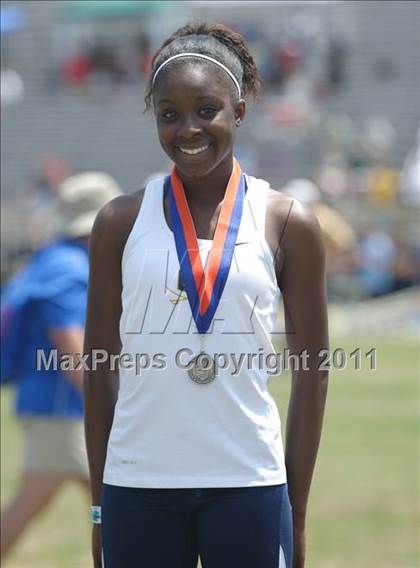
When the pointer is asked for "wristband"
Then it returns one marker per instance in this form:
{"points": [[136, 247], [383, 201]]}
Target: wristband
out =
{"points": [[96, 514]]}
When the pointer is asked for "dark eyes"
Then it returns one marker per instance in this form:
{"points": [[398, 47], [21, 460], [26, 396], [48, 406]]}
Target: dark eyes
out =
{"points": [[168, 114], [206, 112]]}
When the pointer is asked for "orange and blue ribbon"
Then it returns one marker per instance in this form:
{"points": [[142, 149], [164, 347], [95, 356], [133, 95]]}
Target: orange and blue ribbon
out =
{"points": [[204, 288]]}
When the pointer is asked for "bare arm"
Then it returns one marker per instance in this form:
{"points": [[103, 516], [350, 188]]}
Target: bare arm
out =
{"points": [[107, 242], [109, 236], [69, 340], [302, 282]]}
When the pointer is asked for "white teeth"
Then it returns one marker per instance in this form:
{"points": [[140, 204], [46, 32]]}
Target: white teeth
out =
{"points": [[195, 151]]}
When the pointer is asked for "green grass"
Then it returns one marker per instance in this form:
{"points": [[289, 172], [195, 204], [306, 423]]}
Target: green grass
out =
{"points": [[364, 507]]}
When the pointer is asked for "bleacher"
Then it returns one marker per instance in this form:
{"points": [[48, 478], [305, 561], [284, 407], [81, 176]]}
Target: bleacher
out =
{"points": [[110, 132]]}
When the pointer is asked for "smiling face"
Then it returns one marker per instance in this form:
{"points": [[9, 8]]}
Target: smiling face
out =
{"points": [[196, 118]]}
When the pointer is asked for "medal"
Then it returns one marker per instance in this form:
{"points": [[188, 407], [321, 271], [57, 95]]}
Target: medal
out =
{"points": [[202, 369], [204, 288]]}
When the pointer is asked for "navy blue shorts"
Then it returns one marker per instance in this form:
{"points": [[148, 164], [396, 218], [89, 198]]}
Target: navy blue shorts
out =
{"points": [[246, 527]]}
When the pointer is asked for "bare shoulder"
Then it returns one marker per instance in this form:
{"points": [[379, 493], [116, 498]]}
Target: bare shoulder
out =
{"points": [[293, 233], [115, 220], [292, 221]]}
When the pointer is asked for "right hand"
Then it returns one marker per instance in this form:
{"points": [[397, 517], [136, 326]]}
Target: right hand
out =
{"points": [[97, 546]]}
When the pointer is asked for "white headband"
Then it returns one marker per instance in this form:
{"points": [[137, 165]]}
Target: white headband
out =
{"points": [[200, 56]]}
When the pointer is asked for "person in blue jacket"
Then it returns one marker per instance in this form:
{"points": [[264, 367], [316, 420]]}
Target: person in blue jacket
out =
{"points": [[42, 318]]}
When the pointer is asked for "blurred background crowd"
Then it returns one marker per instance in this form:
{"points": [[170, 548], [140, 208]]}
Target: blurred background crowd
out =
{"points": [[337, 126]]}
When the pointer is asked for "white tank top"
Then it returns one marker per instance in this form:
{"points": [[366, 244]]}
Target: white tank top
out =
{"points": [[168, 431]]}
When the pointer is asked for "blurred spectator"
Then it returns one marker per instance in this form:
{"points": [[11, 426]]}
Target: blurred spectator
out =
{"points": [[339, 239], [336, 63], [143, 45], [383, 184], [37, 199], [406, 268], [333, 180], [12, 87], [289, 56], [379, 137], [105, 66], [410, 193], [377, 254], [75, 70], [339, 236], [43, 308]]}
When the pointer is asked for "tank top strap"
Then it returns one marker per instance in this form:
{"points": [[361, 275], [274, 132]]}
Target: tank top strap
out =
{"points": [[153, 201], [148, 217], [254, 212]]}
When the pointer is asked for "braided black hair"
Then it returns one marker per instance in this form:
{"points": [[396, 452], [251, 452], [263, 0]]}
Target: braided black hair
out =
{"points": [[217, 41]]}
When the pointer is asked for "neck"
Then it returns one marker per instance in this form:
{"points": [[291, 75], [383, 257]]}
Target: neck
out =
{"points": [[209, 189]]}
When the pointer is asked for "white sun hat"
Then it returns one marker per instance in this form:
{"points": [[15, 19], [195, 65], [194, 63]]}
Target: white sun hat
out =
{"points": [[80, 198]]}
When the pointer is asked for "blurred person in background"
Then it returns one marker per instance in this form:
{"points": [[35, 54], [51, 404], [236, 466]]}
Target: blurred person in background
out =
{"points": [[75, 70], [406, 266], [36, 201], [12, 90], [43, 308], [377, 257], [410, 193], [339, 236]]}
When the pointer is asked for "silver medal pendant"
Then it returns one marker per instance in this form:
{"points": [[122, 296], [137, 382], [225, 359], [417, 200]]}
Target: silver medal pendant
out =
{"points": [[202, 369]]}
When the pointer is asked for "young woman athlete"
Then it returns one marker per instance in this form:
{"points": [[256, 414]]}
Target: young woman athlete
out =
{"points": [[183, 438]]}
